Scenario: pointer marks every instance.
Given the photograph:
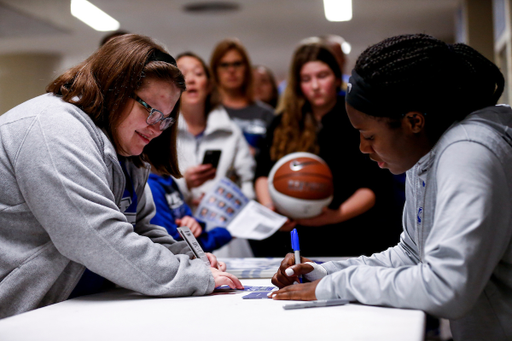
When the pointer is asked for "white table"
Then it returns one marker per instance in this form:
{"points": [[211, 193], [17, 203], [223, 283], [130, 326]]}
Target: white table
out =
{"points": [[126, 315]]}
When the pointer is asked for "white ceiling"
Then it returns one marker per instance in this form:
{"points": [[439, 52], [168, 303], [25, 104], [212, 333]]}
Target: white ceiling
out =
{"points": [[270, 29]]}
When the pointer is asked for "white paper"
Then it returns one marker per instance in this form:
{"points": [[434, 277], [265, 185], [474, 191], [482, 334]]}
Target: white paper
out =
{"points": [[256, 221], [226, 206]]}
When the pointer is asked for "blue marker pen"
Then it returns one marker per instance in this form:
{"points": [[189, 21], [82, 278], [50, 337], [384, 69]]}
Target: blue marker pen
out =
{"points": [[296, 248]]}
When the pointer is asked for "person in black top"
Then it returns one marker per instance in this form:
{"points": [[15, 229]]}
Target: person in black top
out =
{"points": [[313, 119]]}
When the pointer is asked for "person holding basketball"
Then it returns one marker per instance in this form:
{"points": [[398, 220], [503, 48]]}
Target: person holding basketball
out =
{"points": [[313, 119], [429, 108]]}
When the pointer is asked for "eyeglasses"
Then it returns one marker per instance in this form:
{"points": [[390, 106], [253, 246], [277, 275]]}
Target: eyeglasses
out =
{"points": [[155, 115], [236, 65]]}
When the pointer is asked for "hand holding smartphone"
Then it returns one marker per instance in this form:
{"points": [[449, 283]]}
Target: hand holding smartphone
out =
{"points": [[212, 156]]}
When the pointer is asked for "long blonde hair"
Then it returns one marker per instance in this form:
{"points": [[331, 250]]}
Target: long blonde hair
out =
{"points": [[297, 131]]}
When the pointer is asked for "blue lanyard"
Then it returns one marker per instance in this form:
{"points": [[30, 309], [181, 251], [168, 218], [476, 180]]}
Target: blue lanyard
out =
{"points": [[129, 200]]}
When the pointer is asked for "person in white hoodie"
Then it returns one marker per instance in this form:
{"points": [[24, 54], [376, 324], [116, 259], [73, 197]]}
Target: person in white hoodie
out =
{"points": [[429, 108], [75, 209], [206, 126]]}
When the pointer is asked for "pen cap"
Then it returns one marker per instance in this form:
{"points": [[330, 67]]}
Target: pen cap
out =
{"points": [[295, 240]]}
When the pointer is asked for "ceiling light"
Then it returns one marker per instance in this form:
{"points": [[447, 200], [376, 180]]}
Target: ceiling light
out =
{"points": [[338, 10], [211, 7], [346, 47], [93, 16]]}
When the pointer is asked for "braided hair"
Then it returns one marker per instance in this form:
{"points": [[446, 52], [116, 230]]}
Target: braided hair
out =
{"points": [[421, 73]]}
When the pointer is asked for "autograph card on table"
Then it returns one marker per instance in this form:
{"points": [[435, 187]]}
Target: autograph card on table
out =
{"points": [[248, 288], [259, 292], [256, 295], [256, 292]]}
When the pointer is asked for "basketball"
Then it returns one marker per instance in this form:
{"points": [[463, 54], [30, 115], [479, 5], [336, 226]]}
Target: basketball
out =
{"points": [[300, 185]]}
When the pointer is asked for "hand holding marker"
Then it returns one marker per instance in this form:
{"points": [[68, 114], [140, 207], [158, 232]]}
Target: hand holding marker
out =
{"points": [[296, 249]]}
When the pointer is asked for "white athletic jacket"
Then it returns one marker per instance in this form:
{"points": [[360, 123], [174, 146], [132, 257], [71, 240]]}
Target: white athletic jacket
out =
{"points": [[454, 259], [220, 133]]}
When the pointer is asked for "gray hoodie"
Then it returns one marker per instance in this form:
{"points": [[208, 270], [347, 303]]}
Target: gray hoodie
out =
{"points": [[60, 192], [454, 259]]}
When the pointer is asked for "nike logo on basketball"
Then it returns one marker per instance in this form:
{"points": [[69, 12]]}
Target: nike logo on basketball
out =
{"points": [[297, 165]]}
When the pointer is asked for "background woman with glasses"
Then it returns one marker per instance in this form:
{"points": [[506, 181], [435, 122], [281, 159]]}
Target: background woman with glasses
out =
{"points": [[232, 74], [74, 210]]}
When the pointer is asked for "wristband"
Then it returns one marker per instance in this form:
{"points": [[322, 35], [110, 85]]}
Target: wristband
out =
{"points": [[317, 273]]}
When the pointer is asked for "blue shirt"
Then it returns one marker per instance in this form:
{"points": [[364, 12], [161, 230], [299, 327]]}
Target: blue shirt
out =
{"points": [[170, 205]]}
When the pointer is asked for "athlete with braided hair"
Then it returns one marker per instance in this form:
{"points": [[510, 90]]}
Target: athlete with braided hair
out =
{"points": [[429, 108]]}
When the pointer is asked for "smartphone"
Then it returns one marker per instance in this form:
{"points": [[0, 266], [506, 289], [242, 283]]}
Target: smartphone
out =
{"points": [[212, 156], [192, 243]]}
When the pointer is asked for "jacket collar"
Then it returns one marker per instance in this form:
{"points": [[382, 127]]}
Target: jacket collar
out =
{"points": [[218, 120]]}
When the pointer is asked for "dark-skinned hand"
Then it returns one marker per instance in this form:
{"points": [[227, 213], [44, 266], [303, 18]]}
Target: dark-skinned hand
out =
{"points": [[281, 279], [302, 292]]}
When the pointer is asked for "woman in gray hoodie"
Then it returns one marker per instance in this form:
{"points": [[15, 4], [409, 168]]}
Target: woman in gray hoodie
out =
{"points": [[74, 207], [429, 108]]}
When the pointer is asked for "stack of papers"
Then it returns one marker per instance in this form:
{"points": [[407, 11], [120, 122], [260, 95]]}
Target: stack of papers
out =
{"points": [[244, 268]]}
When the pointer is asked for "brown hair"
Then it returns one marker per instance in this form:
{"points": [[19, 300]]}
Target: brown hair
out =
{"points": [[297, 130], [112, 35], [213, 98], [275, 93], [102, 85], [220, 50]]}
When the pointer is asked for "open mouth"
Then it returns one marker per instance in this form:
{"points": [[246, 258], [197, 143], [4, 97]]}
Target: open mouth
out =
{"points": [[144, 137]]}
